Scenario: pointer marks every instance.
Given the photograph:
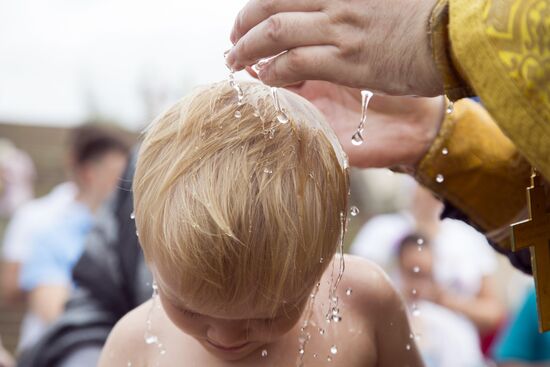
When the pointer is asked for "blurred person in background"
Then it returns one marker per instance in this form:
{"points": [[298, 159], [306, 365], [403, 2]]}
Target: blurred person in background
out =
{"points": [[465, 267], [445, 338], [98, 156], [27, 221], [112, 279], [521, 344], [17, 175]]}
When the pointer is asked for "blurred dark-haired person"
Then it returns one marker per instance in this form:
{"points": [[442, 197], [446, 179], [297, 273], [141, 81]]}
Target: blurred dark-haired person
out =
{"points": [[97, 158], [444, 337]]}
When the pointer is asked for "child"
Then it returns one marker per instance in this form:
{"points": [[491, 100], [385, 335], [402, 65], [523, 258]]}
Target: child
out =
{"points": [[240, 205]]}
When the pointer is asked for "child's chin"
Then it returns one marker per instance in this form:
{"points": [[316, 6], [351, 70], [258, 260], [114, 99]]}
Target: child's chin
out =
{"points": [[231, 354]]}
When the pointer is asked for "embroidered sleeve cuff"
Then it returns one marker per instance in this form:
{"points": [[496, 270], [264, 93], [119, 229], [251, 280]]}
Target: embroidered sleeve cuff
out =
{"points": [[477, 169]]}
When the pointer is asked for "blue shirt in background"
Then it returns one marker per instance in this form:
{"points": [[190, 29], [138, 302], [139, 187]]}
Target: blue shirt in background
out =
{"points": [[521, 340], [57, 248]]}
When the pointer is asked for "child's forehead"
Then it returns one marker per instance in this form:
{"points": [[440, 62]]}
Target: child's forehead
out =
{"points": [[170, 291]]}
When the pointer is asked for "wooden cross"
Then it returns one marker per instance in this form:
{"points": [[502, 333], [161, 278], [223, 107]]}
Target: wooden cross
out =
{"points": [[534, 233]]}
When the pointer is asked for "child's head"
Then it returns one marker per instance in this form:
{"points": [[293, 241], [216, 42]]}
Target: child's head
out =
{"points": [[235, 214], [416, 267]]}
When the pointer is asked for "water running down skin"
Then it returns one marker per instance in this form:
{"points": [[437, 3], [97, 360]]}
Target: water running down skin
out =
{"points": [[374, 331]]}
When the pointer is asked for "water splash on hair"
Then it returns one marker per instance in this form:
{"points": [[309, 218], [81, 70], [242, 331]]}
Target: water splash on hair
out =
{"points": [[150, 337], [235, 85], [357, 138], [282, 117]]}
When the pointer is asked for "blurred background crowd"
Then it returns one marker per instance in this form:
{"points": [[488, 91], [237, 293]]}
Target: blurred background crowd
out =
{"points": [[78, 81]]}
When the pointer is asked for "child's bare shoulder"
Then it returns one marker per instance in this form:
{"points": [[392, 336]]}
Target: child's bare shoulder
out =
{"points": [[126, 338], [368, 283]]}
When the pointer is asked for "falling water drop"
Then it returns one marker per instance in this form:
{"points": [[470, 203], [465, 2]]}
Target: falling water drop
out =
{"points": [[420, 241], [264, 353], [354, 211], [439, 178], [445, 151], [357, 138], [333, 349]]}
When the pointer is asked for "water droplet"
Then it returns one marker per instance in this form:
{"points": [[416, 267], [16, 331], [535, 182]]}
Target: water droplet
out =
{"points": [[445, 151], [329, 359], [137, 234], [281, 114], [315, 355], [336, 318], [349, 291], [268, 171], [416, 269], [419, 248], [411, 335], [162, 352], [238, 114], [416, 311], [151, 339], [420, 241], [321, 331], [333, 349], [264, 353], [354, 211], [301, 351], [132, 215], [129, 364], [414, 291], [282, 117], [450, 108], [408, 347], [439, 178], [321, 260], [357, 139]]}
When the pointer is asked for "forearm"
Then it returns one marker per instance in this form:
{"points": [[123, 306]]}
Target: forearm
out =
{"points": [[48, 301]]}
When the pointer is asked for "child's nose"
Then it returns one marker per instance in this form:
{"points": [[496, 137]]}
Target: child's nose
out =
{"points": [[227, 334]]}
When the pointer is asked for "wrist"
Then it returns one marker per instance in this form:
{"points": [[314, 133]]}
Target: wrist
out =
{"points": [[441, 53]]}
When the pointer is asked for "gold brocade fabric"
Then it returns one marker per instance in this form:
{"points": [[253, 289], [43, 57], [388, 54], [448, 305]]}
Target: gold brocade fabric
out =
{"points": [[501, 50], [478, 169]]}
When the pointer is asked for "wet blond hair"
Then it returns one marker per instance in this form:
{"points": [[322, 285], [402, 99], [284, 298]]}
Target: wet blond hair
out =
{"points": [[237, 207]]}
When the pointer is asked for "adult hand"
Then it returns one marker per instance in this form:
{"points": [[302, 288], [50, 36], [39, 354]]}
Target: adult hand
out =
{"points": [[381, 45], [398, 132]]}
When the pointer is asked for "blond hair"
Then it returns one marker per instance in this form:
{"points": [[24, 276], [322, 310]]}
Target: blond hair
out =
{"points": [[241, 211]]}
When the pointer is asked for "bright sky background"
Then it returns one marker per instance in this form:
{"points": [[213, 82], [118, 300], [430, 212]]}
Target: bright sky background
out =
{"points": [[62, 60]]}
